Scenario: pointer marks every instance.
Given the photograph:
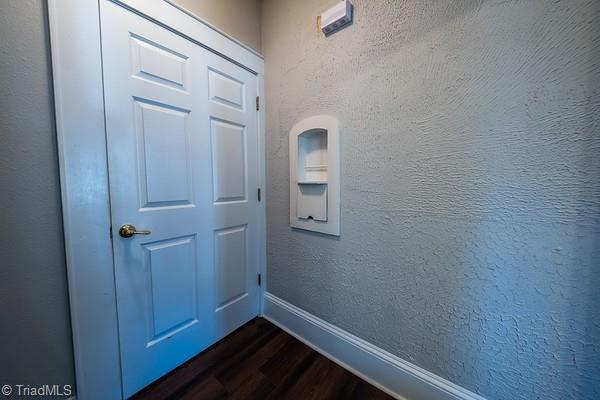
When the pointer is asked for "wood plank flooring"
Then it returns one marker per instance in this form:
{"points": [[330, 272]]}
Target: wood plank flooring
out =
{"points": [[260, 361]]}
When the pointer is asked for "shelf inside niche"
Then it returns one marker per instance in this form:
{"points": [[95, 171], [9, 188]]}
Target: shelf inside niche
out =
{"points": [[317, 168], [312, 182]]}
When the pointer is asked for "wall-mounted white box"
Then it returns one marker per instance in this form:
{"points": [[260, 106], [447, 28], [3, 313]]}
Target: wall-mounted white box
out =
{"points": [[315, 175], [336, 17]]}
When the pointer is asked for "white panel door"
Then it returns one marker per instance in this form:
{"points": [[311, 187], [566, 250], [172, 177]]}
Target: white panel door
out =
{"points": [[182, 151]]}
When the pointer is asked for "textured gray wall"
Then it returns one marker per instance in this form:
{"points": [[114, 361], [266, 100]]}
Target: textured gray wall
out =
{"points": [[238, 18], [470, 137], [35, 333]]}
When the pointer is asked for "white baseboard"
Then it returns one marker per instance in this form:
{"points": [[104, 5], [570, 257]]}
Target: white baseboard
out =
{"points": [[393, 375]]}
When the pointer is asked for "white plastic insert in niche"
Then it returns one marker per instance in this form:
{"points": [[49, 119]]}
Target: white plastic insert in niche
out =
{"points": [[315, 175]]}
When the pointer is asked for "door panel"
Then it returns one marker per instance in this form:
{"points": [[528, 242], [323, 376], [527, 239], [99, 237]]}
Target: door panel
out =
{"points": [[172, 287], [182, 153], [156, 63], [164, 154], [230, 266], [228, 161], [225, 89]]}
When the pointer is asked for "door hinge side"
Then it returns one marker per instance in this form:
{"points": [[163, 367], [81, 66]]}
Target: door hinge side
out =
{"points": [[257, 103], [259, 279], [258, 194]]}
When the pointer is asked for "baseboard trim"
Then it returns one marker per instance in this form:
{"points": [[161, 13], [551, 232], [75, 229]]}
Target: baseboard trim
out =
{"points": [[393, 375]]}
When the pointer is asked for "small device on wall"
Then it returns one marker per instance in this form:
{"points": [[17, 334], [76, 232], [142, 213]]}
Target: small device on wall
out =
{"points": [[315, 175], [336, 17]]}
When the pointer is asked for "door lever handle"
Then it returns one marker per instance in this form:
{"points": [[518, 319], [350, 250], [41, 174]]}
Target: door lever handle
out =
{"points": [[129, 230]]}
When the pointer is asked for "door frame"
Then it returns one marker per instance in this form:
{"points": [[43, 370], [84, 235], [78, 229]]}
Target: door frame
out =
{"points": [[75, 36]]}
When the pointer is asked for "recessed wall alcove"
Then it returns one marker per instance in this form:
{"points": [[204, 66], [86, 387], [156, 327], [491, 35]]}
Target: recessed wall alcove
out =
{"points": [[314, 175]]}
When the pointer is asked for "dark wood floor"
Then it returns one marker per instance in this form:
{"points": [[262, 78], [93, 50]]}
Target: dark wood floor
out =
{"points": [[260, 361]]}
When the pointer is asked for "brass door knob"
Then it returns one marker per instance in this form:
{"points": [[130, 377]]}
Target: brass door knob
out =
{"points": [[128, 231]]}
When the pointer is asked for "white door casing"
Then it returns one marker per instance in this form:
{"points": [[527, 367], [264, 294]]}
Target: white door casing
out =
{"points": [[196, 272]]}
